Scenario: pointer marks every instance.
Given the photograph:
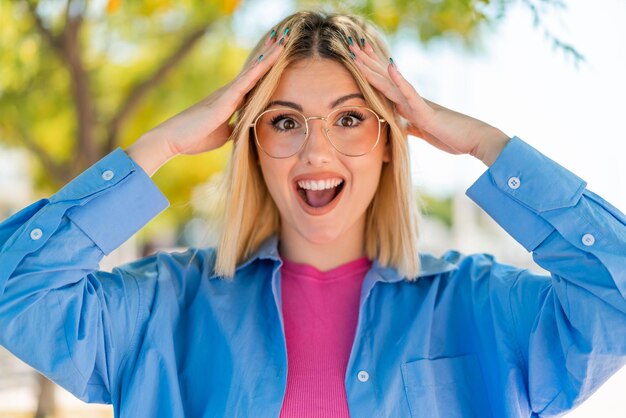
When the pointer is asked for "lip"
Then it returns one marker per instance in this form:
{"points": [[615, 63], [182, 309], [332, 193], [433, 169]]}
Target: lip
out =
{"points": [[318, 176]]}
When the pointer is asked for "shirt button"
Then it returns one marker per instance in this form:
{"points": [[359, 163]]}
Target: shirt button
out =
{"points": [[108, 175], [36, 234], [514, 183], [588, 240], [363, 376]]}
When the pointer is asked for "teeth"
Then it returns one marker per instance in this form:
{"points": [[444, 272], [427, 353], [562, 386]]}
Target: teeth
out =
{"points": [[319, 184]]}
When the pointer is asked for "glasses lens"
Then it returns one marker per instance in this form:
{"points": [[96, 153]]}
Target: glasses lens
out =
{"points": [[352, 130], [280, 132]]}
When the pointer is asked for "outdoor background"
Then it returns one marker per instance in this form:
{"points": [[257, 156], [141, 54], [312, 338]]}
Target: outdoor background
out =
{"points": [[80, 78]]}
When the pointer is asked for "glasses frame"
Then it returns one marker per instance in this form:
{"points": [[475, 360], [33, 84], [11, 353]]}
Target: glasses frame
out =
{"points": [[325, 129]]}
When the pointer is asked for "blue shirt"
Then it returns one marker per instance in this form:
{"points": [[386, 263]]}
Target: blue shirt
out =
{"points": [[164, 337]]}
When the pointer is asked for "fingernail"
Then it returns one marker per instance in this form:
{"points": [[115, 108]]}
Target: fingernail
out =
{"points": [[362, 42], [352, 55], [350, 40], [273, 33], [260, 58], [285, 32], [392, 63], [281, 40]]}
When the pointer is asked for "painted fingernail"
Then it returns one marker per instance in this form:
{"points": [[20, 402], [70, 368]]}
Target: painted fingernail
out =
{"points": [[352, 55], [392, 63], [350, 40], [362, 42], [273, 33], [281, 40], [285, 32], [260, 58]]}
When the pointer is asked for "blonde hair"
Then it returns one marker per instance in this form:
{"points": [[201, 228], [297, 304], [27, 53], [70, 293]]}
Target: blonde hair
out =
{"points": [[250, 214]]}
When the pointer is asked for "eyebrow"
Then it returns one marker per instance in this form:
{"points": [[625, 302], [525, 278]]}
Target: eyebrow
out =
{"points": [[332, 104]]}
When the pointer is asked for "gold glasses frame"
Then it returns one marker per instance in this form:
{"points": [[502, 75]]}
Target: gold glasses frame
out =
{"points": [[325, 128]]}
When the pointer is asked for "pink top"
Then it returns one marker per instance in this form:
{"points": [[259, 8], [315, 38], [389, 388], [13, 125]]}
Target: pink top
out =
{"points": [[320, 310]]}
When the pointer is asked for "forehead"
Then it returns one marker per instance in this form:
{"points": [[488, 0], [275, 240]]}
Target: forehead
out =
{"points": [[316, 84]]}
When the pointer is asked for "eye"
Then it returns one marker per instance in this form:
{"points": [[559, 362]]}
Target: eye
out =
{"points": [[283, 122], [351, 119]]}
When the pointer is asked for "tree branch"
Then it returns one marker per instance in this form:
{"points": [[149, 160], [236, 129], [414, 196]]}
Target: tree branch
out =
{"points": [[141, 89], [45, 33], [81, 92], [556, 43], [67, 46], [75, 11]]}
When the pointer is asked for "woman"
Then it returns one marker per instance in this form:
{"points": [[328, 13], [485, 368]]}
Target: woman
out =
{"points": [[317, 261]]}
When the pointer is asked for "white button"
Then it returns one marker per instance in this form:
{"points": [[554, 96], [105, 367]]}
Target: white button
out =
{"points": [[588, 240], [363, 376], [36, 234], [514, 183], [108, 175]]}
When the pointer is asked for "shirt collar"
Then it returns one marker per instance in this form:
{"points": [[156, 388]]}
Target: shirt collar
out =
{"points": [[429, 264]]}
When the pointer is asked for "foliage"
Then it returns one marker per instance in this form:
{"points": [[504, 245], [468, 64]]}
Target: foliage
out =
{"points": [[439, 208]]}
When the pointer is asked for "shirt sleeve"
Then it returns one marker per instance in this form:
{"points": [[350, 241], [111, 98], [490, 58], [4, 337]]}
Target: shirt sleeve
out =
{"points": [[58, 313], [570, 330]]}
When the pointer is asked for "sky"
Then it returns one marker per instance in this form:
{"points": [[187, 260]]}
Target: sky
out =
{"points": [[521, 85]]}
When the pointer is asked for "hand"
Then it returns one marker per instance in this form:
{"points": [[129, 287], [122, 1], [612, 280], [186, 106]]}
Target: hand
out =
{"points": [[204, 126], [443, 128]]}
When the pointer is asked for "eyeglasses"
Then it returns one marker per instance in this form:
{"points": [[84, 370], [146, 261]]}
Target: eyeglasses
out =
{"points": [[352, 130]]}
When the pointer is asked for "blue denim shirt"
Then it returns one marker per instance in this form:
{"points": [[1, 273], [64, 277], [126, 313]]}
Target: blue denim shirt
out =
{"points": [[165, 337]]}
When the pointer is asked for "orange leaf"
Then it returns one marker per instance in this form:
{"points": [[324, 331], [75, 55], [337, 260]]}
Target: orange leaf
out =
{"points": [[113, 5], [229, 6]]}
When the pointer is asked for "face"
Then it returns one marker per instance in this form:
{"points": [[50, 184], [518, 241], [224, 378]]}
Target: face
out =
{"points": [[314, 84]]}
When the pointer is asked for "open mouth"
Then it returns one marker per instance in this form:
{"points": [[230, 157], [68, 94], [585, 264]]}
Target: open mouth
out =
{"points": [[320, 198]]}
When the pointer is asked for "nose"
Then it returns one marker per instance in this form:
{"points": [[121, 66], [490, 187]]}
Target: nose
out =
{"points": [[317, 147]]}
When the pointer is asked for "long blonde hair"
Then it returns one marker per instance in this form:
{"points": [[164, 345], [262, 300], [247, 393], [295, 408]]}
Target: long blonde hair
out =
{"points": [[250, 214]]}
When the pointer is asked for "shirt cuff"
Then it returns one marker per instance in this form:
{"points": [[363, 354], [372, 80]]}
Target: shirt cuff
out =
{"points": [[114, 198], [521, 185]]}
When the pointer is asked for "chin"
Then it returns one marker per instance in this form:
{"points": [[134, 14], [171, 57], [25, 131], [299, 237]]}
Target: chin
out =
{"points": [[319, 235]]}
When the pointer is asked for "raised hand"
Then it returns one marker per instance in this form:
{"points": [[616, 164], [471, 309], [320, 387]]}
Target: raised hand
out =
{"points": [[205, 125], [443, 128]]}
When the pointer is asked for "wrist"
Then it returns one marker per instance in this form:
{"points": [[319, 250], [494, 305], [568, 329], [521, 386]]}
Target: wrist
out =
{"points": [[150, 153], [491, 146]]}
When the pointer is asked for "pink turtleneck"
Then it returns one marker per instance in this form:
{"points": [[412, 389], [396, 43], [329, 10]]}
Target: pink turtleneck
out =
{"points": [[320, 311]]}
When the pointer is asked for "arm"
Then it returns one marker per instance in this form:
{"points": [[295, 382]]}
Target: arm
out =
{"points": [[57, 312], [570, 330]]}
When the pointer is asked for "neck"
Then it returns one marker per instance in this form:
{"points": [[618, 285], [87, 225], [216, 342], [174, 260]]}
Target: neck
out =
{"points": [[326, 255]]}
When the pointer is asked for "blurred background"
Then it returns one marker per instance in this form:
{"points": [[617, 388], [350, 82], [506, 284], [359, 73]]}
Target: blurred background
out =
{"points": [[80, 78]]}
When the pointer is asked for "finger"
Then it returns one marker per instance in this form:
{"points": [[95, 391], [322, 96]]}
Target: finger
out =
{"points": [[383, 84], [273, 45], [408, 91], [270, 45], [270, 37], [376, 73], [369, 51], [265, 53], [250, 77], [373, 63]]}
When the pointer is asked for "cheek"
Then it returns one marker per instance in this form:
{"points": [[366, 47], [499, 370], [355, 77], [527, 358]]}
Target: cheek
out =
{"points": [[365, 179]]}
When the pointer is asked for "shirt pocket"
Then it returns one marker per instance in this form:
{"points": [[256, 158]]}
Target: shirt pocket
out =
{"points": [[447, 387]]}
